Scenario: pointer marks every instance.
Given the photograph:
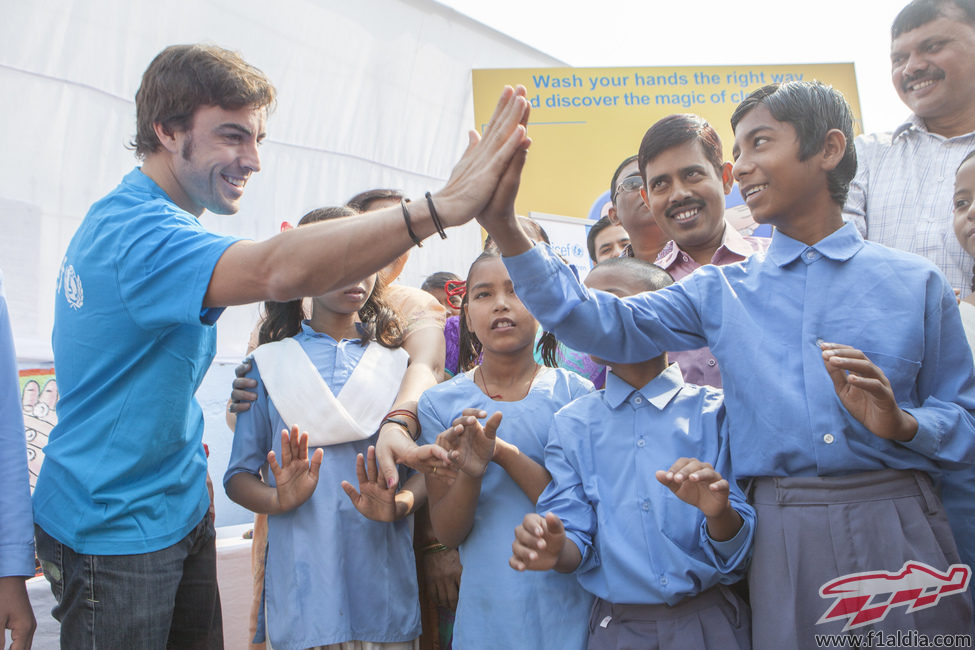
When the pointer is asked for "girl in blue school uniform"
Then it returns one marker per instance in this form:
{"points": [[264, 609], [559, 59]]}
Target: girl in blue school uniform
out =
{"points": [[333, 576], [500, 472]]}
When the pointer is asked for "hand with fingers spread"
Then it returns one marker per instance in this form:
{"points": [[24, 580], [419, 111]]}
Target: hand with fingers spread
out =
{"points": [[699, 484], [375, 500], [395, 447], [540, 545], [485, 165], [470, 444], [865, 392], [296, 476]]}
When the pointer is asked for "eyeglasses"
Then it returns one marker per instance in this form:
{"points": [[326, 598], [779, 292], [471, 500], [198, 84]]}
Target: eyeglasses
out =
{"points": [[629, 184]]}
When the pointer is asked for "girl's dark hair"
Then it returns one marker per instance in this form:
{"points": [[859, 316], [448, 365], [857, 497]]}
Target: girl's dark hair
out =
{"points": [[469, 348], [379, 321]]}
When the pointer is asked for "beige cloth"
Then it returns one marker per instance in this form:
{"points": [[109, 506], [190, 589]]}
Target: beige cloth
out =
{"points": [[418, 309]]}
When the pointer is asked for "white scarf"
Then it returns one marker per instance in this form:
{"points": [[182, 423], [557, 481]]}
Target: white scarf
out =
{"points": [[303, 398]]}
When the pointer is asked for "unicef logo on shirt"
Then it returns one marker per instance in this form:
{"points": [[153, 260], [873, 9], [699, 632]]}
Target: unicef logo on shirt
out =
{"points": [[73, 290]]}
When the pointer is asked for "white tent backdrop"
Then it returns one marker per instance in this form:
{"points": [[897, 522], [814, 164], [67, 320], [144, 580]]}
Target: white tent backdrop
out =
{"points": [[372, 93]]}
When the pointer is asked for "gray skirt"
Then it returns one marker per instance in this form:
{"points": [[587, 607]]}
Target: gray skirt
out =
{"points": [[815, 534], [716, 619]]}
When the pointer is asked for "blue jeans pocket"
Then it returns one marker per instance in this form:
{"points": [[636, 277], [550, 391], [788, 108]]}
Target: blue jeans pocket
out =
{"points": [[49, 552]]}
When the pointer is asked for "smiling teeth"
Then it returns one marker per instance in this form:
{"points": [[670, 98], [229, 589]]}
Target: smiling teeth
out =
{"points": [[753, 190], [236, 182], [686, 214], [922, 84]]}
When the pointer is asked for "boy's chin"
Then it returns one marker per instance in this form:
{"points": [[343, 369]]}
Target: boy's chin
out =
{"points": [[598, 361]]}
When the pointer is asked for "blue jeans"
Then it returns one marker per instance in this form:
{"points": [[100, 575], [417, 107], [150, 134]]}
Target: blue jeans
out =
{"points": [[163, 599]]}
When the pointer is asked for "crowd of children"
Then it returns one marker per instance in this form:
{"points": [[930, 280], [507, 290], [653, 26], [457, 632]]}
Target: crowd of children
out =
{"points": [[631, 516]]}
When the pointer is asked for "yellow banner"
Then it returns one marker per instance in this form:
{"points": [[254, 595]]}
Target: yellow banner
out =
{"points": [[585, 121]]}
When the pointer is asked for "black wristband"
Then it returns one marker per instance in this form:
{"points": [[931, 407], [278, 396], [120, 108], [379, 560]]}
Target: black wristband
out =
{"points": [[435, 216], [402, 423], [409, 224]]}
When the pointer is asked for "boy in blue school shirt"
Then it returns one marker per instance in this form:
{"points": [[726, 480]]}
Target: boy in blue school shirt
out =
{"points": [[843, 383], [655, 548]]}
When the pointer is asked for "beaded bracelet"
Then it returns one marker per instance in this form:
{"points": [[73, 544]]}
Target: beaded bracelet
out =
{"points": [[435, 216], [409, 224]]}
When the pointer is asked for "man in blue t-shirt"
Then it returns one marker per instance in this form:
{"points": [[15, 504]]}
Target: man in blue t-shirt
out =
{"points": [[121, 504]]}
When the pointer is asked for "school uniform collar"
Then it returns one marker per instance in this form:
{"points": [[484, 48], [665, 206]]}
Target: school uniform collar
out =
{"points": [[839, 246], [659, 391], [307, 330], [731, 240]]}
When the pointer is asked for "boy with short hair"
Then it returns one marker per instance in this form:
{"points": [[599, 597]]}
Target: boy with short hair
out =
{"points": [[656, 548], [685, 184], [843, 384]]}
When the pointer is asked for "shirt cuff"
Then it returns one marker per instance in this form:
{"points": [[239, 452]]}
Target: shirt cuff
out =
{"points": [[589, 558], [17, 560], [927, 441], [727, 549]]}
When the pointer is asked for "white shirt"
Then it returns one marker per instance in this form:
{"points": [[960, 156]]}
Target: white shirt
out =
{"points": [[901, 195]]}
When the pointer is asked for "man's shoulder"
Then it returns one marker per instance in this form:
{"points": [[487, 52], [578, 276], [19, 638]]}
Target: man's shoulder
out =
{"points": [[137, 199]]}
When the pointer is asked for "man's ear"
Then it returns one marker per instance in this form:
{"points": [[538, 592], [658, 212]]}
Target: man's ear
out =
{"points": [[612, 216], [646, 199], [167, 137], [727, 178], [834, 148]]}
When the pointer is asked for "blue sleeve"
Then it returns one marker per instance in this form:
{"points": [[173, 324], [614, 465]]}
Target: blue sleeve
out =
{"points": [[430, 424], [16, 519], [165, 269], [253, 434], [729, 557], [564, 495], [626, 330], [945, 387]]}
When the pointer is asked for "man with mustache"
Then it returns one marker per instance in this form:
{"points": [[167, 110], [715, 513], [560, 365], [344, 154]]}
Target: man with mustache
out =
{"points": [[901, 196], [685, 180]]}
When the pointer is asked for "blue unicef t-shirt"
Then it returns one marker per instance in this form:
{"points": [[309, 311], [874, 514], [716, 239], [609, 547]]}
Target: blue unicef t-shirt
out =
{"points": [[124, 469]]}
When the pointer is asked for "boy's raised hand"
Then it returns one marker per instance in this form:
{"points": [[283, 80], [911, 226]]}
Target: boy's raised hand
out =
{"points": [[470, 445], [699, 484], [485, 165], [296, 477], [865, 391], [377, 500], [538, 543]]}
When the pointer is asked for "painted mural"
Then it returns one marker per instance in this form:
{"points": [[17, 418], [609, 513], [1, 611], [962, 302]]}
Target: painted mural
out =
{"points": [[39, 400]]}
